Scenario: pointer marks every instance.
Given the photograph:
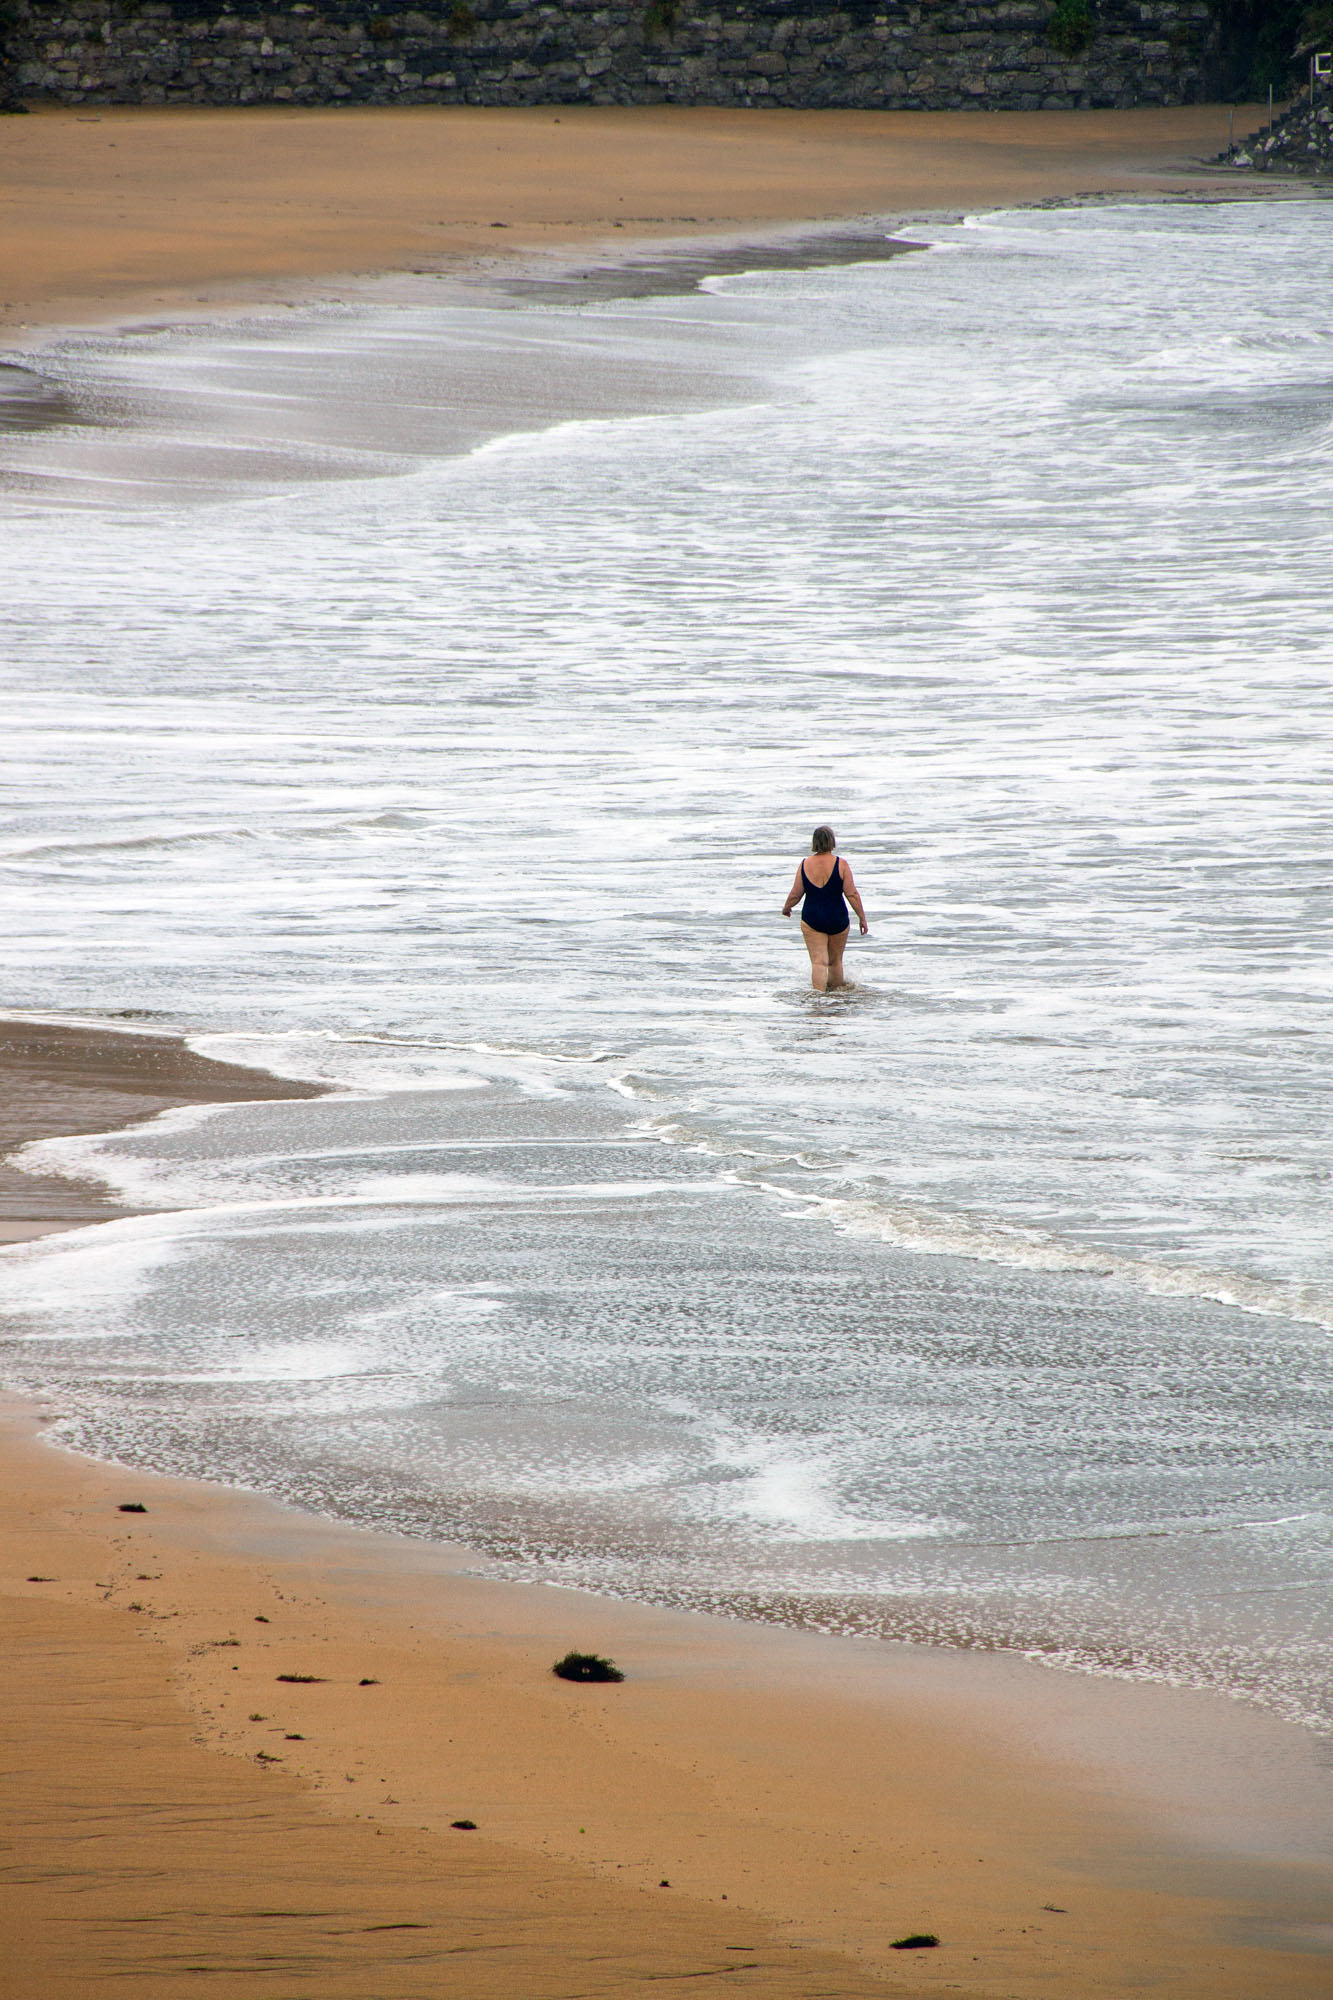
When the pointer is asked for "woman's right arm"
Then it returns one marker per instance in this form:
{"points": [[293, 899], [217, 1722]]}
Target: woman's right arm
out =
{"points": [[853, 895], [795, 893]]}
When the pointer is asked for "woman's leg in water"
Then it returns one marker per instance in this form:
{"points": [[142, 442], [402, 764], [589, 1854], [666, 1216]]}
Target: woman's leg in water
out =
{"points": [[817, 944], [837, 945]]}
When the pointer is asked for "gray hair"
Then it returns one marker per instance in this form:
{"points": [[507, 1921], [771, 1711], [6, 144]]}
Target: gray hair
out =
{"points": [[823, 840]]}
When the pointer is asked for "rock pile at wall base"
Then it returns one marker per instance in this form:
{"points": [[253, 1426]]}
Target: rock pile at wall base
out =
{"points": [[869, 54], [1299, 142]]}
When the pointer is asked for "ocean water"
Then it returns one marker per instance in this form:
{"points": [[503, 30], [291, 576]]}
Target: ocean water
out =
{"points": [[435, 699]]}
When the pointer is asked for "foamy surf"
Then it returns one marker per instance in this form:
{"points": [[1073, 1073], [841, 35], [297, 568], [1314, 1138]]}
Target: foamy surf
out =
{"points": [[989, 1303]]}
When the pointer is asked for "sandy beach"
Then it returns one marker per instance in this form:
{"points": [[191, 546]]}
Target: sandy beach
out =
{"points": [[125, 210], [239, 1740]]}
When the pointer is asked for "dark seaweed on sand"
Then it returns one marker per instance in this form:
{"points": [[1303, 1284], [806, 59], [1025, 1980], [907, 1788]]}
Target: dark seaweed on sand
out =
{"points": [[586, 1667]]}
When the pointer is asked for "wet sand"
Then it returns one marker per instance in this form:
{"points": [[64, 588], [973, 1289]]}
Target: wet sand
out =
{"points": [[57, 1079], [129, 210], [181, 1815]]}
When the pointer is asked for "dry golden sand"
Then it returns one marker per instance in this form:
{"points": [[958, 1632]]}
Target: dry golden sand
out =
{"points": [[139, 1859], [149, 1835], [178, 1819], [126, 208]]}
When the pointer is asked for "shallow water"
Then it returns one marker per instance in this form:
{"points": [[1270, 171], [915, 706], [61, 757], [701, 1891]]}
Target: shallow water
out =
{"points": [[989, 1300]]}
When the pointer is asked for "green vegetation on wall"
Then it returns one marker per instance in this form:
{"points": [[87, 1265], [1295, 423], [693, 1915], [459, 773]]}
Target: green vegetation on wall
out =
{"points": [[1266, 43], [659, 18], [1071, 27]]}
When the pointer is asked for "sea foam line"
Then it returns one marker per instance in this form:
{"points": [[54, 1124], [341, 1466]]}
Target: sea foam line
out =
{"points": [[940, 1233]]}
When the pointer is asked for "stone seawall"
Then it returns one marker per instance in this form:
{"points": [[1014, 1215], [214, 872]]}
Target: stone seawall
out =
{"points": [[893, 54]]}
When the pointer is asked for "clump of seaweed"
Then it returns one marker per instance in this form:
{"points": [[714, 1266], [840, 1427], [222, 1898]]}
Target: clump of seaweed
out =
{"points": [[586, 1667]]}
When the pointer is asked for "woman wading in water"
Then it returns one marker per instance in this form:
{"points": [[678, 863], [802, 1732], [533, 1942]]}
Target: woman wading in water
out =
{"points": [[825, 881]]}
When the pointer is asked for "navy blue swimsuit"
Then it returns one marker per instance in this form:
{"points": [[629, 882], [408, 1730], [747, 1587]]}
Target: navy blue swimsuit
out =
{"points": [[824, 909]]}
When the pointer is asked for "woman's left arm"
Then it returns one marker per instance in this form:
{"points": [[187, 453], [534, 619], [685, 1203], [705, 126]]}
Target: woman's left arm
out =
{"points": [[853, 895], [794, 894]]}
